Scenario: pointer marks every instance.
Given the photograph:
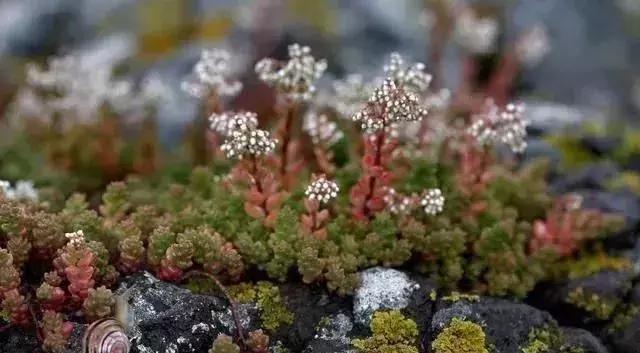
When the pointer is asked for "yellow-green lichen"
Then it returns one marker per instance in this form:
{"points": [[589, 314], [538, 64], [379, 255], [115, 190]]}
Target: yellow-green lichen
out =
{"points": [[625, 180], [600, 307], [600, 261], [461, 336], [391, 332], [273, 312], [541, 341], [433, 295], [624, 317], [456, 296], [243, 293]]}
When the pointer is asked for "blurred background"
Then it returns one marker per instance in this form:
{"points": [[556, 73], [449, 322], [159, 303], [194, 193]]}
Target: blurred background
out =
{"points": [[570, 61], [591, 65]]}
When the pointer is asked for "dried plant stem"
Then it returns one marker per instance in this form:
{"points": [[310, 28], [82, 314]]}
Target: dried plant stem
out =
{"points": [[223, 289]]}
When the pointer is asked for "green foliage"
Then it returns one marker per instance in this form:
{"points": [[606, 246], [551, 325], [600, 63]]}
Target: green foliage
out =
{"points": [[599, 307], [461, 336], [391, 332], [273, 311]]}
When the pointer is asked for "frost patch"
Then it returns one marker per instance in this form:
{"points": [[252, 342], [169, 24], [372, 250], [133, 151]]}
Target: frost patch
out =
{"points": [[381, 288]]}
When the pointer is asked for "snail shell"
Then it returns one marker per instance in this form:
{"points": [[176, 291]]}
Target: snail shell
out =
{"points": [[106, 336]]}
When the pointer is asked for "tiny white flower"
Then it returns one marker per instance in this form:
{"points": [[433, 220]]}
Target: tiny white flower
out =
{"points": [[433, 201], [75, 238]]}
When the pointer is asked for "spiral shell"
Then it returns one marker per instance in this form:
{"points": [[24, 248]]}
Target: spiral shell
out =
{"points": [[106, 336]]}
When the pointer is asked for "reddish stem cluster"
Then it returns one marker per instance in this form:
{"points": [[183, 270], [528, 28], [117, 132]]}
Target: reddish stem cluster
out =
{"points": [[473, 174], [367, 195], [314, 222], [263, 197], [289, 161], [565, 227]]}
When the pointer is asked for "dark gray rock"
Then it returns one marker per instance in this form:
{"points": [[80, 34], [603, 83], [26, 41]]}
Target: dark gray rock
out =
{"points": [[627, 338], [166, 318], [506, 324], [334, 335], [309, 306], [624, 203], [610, 287], [600, 145], [595, 176], [19, 340], [582, 339]]}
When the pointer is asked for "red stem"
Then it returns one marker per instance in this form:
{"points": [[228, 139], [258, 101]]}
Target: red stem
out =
{"points": [[372, 178]]}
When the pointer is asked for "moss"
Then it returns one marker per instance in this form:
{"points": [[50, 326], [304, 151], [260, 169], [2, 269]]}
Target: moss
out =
{"points": [[391, 332], [624, 317], [600, 307], [541, 341], [461, 336], [243, 293], [273, 312], [589, 265], [625, 180], [457, 296], [573, 152], [433, 295]]}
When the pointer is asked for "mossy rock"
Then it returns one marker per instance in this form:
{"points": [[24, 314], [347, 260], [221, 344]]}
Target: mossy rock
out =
{"points": [[506, 324]]}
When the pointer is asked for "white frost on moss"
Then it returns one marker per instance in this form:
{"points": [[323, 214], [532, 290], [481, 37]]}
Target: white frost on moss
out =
{"points": [[381, 288]]}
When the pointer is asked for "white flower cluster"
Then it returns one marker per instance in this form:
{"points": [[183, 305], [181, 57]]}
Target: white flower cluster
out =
{"points": [[388, 104], [23, 190], [533, 45], [495, 126], [412, 77], [322, 190], [397, 203], [321, 130], [475, 34], [75, 238], [80, 88], [350, 95], [210, 74], [227, 122], [295, 77], [432, 201], [246, 139]]}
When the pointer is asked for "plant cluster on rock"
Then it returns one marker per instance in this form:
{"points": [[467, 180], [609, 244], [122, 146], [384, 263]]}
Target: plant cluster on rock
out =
{"points": [[283, 206]]}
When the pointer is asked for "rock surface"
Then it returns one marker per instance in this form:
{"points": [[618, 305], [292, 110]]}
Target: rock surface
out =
{"points": [[506, 324], [582, 339], [168, 319], [381, 288]]}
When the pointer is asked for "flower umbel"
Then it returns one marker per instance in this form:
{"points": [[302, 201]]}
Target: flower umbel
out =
{"points": [[295, 77], [254, 142], [389, 103], [433, 202], [507, 127], [227, 122], [322, 190], [211, 74], [412, 77]]}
